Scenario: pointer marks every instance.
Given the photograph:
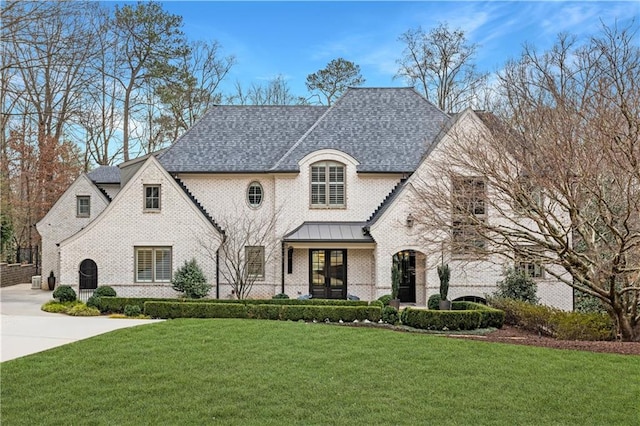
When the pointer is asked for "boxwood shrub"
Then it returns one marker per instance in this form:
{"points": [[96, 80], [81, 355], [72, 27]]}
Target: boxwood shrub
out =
{"points": [[117, 304], [295, 312], [491, 317], [464, 316]]}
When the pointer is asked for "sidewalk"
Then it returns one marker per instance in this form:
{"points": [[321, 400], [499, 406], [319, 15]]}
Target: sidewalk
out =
{"points": [[25, 329]]}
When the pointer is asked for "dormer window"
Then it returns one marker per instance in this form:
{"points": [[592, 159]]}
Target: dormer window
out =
{"points": [[83, 206], [327, 185], [152, 197]]}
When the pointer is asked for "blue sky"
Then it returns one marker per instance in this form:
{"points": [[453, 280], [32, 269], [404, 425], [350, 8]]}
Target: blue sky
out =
{"points": [[298, 38]]}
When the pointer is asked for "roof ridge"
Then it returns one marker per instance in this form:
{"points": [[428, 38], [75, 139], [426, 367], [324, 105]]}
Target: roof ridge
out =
{"points": [[309, 130]]}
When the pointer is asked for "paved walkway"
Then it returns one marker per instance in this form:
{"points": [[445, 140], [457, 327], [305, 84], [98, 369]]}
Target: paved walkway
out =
{"points": [[25, 329]]}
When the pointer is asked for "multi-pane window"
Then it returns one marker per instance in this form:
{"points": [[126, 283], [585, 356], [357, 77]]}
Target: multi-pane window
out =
{"points": [[153, 264], [327, 184], [254, 257], [83, 206], [152, 197], [254, 194], [528, 261], [469, 196]]}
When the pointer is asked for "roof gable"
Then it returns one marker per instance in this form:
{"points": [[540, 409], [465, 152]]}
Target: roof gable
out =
{"points": [[384, 129]]}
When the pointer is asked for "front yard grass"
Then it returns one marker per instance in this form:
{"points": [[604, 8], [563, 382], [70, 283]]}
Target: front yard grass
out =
{"points": [[239, 372]]}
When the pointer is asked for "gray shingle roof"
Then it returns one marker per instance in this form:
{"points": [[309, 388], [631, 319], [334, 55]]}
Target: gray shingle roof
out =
{"points": [[240, 138], [105, 174], [329, 231], [385, 129]]}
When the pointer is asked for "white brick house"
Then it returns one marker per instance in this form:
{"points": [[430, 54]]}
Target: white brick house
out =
{"points": [[334, 183]]}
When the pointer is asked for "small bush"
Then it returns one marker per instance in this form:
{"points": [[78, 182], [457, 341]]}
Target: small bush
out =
{"points": [[378, 303], [132, 310], [270, 312], [94, 301], [442, 320], [82, 310], [385, 299], [104, 290], [517, 286], [390, 315], [64, 293], [280, 296], [434, 302], [190, 280], [54, 307]]}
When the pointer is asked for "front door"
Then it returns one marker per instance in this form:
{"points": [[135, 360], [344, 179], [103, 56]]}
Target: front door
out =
{"points": [[407, 264], [328, 274], [88, 274]]}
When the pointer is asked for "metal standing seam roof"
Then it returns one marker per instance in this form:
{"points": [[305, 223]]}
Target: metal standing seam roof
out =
{"points": [[345, 232]]}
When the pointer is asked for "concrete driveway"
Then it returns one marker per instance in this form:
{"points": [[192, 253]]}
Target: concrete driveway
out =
{"points": [[25, 329]]}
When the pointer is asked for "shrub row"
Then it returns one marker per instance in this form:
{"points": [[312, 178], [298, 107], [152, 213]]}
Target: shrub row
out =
{"points": [[554, 322], [491, 317], [117, 304], [284, 312], [464, 316]]}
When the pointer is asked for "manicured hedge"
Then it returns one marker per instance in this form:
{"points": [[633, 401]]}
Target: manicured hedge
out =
{"points": [[178, 309], [441, 320], [464, 316], [117, 304], [491, 317]]}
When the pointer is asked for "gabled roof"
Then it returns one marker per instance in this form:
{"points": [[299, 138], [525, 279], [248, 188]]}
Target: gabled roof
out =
{"points": [[386, 203], [238, 139], [105, 175], [384, 129]]}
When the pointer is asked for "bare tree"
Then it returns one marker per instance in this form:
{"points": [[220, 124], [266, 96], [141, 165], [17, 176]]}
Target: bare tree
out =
{"points": [[333, 80], [193, 88], [275, 92], [556, 179], [440, 64], [248, 246]]}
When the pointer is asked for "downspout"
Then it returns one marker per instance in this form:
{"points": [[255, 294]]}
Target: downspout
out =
{"points": [[282, 262], [218, 274]]}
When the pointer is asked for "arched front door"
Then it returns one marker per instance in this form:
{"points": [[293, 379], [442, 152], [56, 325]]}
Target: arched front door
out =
{"points": [[88, 274], [406, 261]]}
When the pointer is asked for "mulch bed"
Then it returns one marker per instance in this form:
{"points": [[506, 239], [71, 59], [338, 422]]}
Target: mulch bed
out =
{"points": [[516, 336]]}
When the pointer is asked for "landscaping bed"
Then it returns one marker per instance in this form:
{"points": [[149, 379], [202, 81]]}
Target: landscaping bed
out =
{"points": [[518, 336]]}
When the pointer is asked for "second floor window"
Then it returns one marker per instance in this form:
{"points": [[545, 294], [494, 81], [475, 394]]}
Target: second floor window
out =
{"points": [[152, 197], [469, 196], [327, 184], [83, 206]]}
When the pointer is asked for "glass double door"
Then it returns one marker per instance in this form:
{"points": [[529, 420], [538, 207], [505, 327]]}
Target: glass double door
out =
{"points": [[328, 274]]}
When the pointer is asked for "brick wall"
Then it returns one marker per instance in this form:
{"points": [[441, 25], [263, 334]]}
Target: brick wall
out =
{"points": [[16, 273]]}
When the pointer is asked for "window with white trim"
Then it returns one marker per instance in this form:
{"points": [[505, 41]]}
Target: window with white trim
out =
{"points": [[254, 194], [153, 264], [254, 257], [152, 197], [327, 184], [83, 206], [469, 195]]}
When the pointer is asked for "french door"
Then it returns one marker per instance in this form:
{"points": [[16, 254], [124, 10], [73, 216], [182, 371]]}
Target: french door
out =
{"points": [[328, 274]]}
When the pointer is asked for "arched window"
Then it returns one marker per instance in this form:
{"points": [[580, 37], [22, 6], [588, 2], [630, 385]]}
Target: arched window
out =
{"points": [[254, 194], [327, 184]]}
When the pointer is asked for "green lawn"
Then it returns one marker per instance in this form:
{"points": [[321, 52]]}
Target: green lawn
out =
{"points": [[197, 372]]}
